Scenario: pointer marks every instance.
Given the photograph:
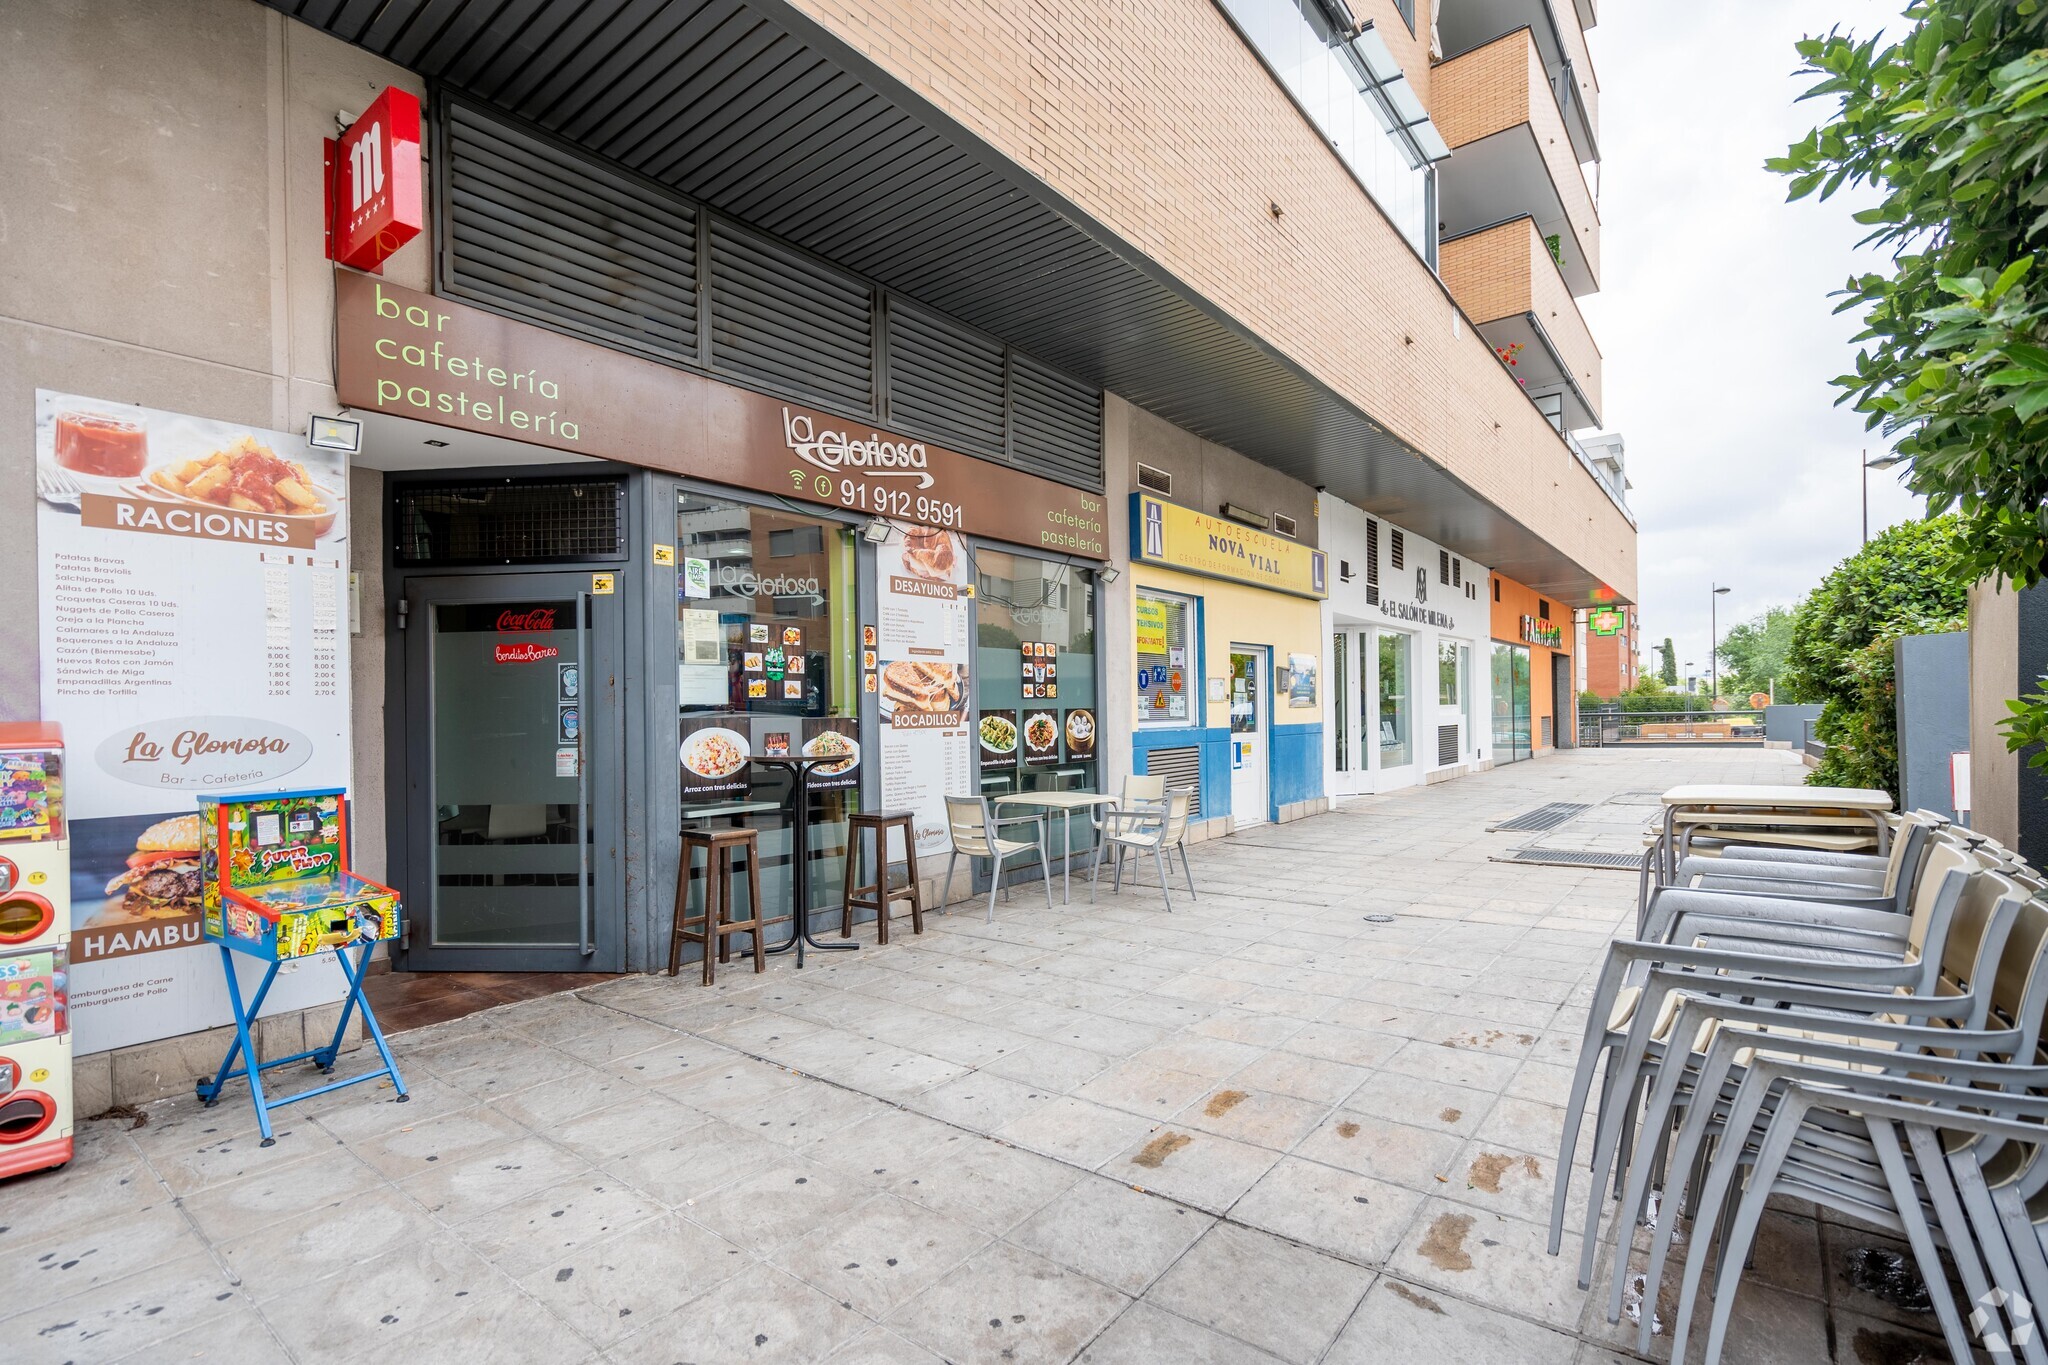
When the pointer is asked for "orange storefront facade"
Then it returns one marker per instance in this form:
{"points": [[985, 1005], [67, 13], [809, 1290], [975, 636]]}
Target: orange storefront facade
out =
{"points": [[1532, 673]]}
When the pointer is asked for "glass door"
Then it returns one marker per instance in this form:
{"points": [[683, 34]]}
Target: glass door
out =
{"points": [[1394, 702], [513, 744], [1511, 736], [1249, 761]]}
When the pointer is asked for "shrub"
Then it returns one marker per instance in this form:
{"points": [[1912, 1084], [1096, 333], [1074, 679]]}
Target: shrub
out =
{"points": [[1902, 583]]}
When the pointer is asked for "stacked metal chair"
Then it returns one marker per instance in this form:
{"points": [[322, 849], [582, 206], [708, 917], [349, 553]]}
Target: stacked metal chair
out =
{"points": [[1863, 1032]]}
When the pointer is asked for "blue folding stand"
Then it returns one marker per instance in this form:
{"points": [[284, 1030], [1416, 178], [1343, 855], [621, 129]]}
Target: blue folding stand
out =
{"points": [[322, 1057]]}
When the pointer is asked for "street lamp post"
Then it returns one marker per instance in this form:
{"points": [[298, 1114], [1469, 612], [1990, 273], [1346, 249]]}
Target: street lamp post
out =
{"points": [[1881, 462], [1714, 639]]}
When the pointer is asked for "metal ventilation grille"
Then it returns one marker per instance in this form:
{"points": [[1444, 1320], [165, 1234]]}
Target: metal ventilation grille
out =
{"points": [[945, 381], [1155, 480], [1544, 817], [1182, 769], [1457, 573], [560, 240], [1446, 745], [1372, 562], [1578, 857], [1399, 550], [1283, 525], [501, 521], [785, 320], [1055, 424], [1443, 566]]}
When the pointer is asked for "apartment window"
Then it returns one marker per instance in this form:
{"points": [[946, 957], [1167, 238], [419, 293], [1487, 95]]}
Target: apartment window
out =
{"points": [[1407, 9]]}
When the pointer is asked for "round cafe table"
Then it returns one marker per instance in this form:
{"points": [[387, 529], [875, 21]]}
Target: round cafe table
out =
{"points": [[799, 809]]}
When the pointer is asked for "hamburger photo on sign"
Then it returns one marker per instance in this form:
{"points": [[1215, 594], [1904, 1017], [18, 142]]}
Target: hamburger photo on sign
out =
{"points": [[161, 878]]}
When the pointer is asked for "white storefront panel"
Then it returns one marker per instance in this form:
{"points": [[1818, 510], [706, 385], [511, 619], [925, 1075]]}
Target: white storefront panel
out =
{"points": [[1407, 622]]}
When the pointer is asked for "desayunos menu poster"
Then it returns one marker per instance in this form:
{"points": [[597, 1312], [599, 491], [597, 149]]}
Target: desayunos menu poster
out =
{"points": [[193, 581], [927, 750]]}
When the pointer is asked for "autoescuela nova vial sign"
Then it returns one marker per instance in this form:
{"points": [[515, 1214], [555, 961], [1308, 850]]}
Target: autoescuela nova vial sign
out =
{"points": [[374, 202], [1178, 537]]}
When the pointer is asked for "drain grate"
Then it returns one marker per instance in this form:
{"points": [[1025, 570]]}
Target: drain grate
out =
{"points": [[1543, 817], [1577, 857]]}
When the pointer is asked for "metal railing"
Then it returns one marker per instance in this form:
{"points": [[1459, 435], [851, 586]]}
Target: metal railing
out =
{"points": [[1605, 728]]}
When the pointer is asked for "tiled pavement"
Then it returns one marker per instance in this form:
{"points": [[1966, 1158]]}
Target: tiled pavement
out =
{"points": [[1260, 1128]]}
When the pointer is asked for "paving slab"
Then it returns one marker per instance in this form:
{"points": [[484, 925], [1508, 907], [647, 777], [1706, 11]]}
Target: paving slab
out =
{"points": [[1261, 1128]]}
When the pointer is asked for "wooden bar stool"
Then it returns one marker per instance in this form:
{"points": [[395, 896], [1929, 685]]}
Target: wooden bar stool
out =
{"points": [[717, 925], [877, 895]]}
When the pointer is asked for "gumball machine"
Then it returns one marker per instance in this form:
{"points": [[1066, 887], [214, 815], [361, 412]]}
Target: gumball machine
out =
{"points": [[35, 937]]}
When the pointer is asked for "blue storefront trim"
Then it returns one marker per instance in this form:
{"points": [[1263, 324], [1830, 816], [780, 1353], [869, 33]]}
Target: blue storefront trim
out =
{"points": [[1297, 766], [1215, 746], [1297, 763]]}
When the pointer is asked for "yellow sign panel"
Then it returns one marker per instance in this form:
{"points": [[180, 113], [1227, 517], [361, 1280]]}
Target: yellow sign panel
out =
{"points": [[602, 584], [1197, 543], [664, 554], [1151, 626]]}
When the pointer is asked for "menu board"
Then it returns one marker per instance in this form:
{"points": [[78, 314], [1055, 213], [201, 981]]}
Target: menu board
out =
{"points": [[922, 643], [1041, 667], [998, 737], [192, 576], [716, 758], [1080, 731]]}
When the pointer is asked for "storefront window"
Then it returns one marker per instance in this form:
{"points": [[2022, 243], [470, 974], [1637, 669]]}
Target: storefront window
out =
{"points": [[766, 654], [1168, 673], [1447, 673], [1511, 739], [1034, 681], [1393, 699]]}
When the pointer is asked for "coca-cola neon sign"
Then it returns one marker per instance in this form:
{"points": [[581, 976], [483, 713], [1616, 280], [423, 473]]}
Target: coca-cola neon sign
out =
{"points": [[539, 618]]}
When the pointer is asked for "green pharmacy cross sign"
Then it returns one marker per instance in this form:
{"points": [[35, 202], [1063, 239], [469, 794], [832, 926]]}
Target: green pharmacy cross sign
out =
{"points": [[1606, 621]]}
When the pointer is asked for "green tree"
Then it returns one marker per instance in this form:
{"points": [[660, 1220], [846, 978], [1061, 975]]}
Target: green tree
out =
{"points": [[1667, 668], [1753, 654], [1949, 124], [1902, 583]]}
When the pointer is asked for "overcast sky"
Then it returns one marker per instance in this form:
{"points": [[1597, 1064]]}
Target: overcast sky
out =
{"points": [[1713, 315]]}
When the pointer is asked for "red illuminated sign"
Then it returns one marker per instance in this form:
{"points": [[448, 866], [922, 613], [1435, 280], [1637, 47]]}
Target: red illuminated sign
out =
{"points": [[523, 654], [540, 618], [373, 183]]}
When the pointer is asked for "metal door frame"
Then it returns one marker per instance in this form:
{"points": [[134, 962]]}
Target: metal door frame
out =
{"points": [[604, 620]]}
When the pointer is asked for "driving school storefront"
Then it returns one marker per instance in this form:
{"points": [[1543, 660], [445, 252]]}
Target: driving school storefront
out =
{"points": [[599, 652], [1227, 625]]}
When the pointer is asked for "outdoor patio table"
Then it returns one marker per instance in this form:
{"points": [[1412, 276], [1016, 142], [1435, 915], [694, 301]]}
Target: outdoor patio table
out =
{"points": [[1819, 808], [1067, 802], [800, 766]]}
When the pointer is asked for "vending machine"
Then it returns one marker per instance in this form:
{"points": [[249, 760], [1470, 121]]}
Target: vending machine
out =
{"points": [[35, 937]]}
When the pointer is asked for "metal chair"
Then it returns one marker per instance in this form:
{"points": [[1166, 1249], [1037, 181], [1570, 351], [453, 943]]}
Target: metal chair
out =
{"points": [[976, 833], [1158, 829]]}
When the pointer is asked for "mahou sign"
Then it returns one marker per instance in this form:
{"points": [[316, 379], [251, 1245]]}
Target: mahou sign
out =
{"points": [[373, 183], [539, 618]]}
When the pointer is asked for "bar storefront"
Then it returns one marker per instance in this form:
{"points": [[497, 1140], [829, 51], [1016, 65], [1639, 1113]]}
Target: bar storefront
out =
{"points": [[602, 651], [1228, 651]]}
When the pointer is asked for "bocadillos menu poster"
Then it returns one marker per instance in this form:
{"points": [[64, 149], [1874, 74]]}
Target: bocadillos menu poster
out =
{"points": [[194, 640]]}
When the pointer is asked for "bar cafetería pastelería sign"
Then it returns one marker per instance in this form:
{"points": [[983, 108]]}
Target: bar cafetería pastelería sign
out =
{"points": [[193, 642], [432, 359]]}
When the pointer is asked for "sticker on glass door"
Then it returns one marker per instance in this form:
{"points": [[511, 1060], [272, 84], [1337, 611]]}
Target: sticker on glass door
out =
{"points": [[1250, 703]]}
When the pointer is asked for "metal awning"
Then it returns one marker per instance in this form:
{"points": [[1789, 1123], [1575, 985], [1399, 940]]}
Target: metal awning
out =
{"points": [[769, 116]]}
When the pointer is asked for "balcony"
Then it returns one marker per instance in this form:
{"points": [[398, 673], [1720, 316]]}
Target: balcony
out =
{"points": [[1505, 280], [1512, 154], [1559, 33]]}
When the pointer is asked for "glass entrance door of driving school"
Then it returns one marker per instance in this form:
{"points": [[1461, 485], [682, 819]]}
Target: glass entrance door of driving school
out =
{"points": [[512, 780], [1250, 733]]}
